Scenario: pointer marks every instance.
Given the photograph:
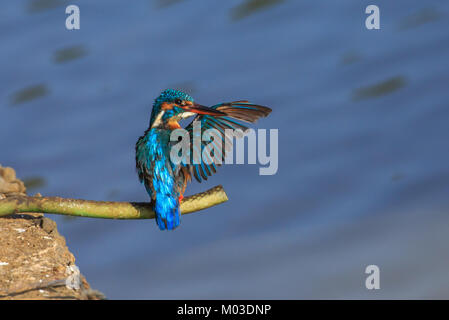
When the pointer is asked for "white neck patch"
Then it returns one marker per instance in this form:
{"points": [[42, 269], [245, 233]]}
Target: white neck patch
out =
{"points": [[185, 115], [158, 121]]}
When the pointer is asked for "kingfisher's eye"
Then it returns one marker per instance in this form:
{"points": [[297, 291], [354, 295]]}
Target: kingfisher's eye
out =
{"points": [[178, 101]]}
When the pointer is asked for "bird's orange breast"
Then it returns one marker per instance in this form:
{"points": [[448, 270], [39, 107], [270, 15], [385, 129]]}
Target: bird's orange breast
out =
{"points": [[172, 125]]}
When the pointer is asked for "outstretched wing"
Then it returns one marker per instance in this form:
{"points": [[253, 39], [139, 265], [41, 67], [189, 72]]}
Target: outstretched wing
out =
{"points": [[237, 112]]}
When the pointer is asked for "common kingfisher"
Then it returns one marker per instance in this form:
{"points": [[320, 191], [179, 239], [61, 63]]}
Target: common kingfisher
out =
{"points": [[165, 181]]}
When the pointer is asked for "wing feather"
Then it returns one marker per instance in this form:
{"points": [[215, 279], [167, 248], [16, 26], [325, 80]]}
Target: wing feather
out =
{"points": [[236, 112]]}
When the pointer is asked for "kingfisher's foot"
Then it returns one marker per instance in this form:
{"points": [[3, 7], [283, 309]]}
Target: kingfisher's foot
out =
{"points": [[181, 197]]}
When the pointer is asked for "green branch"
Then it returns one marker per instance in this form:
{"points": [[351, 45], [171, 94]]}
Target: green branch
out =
{"points": [[105, 209]]}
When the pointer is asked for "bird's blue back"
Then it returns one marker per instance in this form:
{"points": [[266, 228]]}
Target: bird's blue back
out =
{"points": [[156, 172]]}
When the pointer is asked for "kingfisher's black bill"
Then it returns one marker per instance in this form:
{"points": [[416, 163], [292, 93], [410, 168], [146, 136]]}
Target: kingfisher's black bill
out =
{"points": [[197, 108]]}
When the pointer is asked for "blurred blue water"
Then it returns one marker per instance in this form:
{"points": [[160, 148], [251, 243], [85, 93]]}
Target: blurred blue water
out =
{"points": [[363, 141]]}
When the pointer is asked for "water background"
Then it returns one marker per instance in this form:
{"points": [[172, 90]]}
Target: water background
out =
{"points": [[363, 141]]}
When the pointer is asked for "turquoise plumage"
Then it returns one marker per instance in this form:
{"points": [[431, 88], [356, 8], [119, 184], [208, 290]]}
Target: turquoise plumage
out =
{"points": [[156, 172]]}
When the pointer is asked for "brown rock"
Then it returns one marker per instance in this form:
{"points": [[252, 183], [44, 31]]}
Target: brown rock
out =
{"points": [[8, 181], [35, 262]]}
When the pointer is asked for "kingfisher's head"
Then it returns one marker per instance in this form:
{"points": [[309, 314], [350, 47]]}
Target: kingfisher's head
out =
{"points": [[174, 105]]}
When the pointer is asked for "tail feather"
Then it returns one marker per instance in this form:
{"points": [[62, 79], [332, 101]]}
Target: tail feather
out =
{"points": [[167, 212]]}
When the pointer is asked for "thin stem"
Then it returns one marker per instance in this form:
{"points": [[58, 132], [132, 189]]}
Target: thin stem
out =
{"points": [[105, 209]]}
